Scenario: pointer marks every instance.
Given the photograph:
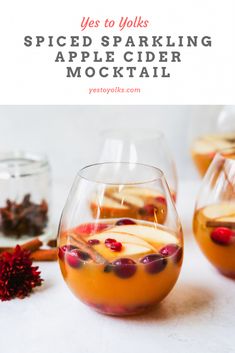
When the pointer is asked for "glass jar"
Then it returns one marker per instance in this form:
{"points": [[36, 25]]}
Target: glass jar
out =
{"points": [[24, 195]]}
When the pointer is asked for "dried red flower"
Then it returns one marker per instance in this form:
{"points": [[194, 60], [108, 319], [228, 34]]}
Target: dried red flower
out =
{"points": [[17, 275]]}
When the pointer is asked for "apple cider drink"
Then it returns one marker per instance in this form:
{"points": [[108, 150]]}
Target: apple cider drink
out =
{"points": [[205, 148], [214, 228], [128, 256], [214, 217]]}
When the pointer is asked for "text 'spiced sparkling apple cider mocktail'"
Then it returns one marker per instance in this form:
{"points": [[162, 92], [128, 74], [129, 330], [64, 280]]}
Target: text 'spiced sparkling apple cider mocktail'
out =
{"points": [[128, 256], [214, 218]]}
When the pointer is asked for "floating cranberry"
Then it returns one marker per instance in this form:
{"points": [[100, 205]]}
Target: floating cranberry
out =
{"points": [[172, 250], [113, 244], [90, 228], [222, 235], [154, 263], [76, 257], [93, 241], [161, 199], [109, 241], [116, 246], [124, 267], [125, 221], [63, 249]]}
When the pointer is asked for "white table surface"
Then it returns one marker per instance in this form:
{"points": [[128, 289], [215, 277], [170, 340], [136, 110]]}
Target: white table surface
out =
{"points": [[197, 316]]}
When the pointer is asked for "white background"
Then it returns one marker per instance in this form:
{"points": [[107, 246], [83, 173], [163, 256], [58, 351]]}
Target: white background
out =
{"points": [[30, 75], [70, 135]]}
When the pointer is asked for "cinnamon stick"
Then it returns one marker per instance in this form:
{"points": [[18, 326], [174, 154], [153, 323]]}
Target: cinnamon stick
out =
{"points": [[96, 257], [44, 255], [31, 246], [52, 243], [215, 224]]}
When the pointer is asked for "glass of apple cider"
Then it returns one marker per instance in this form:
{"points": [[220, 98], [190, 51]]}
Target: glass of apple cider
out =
{"points": [[214, 217], [135, 145], [120, 243], [214, 134], [205, 148]]}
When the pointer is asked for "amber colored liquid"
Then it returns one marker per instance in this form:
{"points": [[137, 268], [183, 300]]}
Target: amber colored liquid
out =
{"points": [[153, 208], [107, 293], [222, 257], [202, 161]]}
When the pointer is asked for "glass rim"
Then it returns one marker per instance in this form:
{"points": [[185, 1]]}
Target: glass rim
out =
{"points": [[158, 171], [133, 133], [18, 163]]}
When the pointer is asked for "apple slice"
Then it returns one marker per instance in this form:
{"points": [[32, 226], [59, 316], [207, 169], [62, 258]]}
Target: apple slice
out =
{"points": [[108, 203], [228, 222], [227, 219], [131, 245], [205, 147], [121, 237], [133, 195], [128, 250], [211, 143], [202, 147], [220, 210], [141, 192], [127, 199], [109, 208], [151, 235]]}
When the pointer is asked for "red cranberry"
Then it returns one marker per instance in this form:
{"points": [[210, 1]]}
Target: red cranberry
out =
{"points": [[116, 246], [154, 263], [63, 249], [109, 241], [172, 249], [113, 244], [124, 267], [125, 221], [222, 235], [76, 257], [93, 241], [161, 199], [90, 228]]}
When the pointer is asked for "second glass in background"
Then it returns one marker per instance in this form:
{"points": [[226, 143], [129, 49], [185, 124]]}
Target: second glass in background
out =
{"points": [[214, 218], [212, 135], [139, 146]]}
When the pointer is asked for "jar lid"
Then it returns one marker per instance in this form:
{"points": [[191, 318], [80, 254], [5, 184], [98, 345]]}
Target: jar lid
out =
{"points": [[15, 164]]}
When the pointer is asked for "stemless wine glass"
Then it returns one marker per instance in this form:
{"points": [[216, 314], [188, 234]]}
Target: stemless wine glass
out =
{"points": [[139, 146], [214, 218], [120, 238], [215, 135]]}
